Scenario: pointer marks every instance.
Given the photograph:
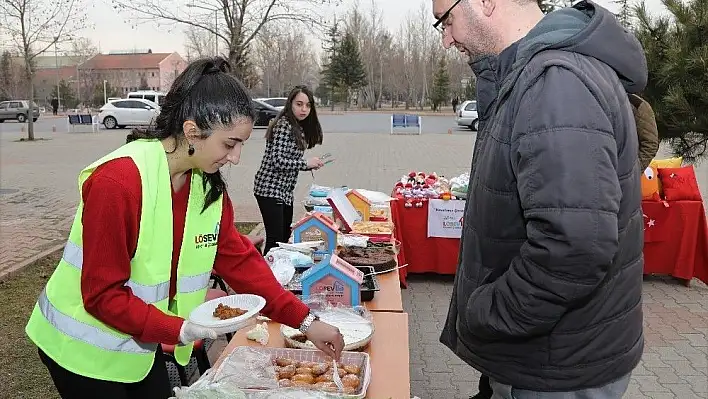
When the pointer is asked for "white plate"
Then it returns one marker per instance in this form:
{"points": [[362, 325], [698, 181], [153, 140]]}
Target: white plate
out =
{"points": [[355, 330], [203, 314]]}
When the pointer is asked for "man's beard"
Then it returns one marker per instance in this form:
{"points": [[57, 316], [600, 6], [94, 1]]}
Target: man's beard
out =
{"points": [[480, 41]]}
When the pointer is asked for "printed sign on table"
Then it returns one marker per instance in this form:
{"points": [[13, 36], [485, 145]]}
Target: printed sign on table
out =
{"points": [[445, 218]]}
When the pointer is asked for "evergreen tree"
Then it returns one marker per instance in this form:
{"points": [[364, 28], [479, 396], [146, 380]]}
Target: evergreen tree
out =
{"points": [[471, 89], [67, 95], [5, 75], [624, 14], [347, 69], [111, 91], [441, 85], [676, 48], [328, 83]]}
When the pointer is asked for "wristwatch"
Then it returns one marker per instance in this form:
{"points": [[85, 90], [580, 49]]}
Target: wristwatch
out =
{"points": [[305, 325]]}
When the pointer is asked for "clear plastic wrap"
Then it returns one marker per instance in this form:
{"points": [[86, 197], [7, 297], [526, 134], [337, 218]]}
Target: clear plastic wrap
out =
{"points": [[250, 373], [207, 388], [376, 197], [282, 263], [355, 323], [352, 240], [337, 312], [319, 191], [289, 393]]}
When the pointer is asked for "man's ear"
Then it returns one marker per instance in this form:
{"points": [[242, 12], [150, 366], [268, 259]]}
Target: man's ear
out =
{"points": [[488, 6]]}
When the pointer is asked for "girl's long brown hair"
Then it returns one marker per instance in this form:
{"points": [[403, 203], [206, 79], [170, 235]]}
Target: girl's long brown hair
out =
{"points": [[310, 126]]}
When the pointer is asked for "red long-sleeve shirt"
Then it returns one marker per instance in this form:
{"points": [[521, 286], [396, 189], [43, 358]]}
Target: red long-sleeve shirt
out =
{"points": [[112, 198]]}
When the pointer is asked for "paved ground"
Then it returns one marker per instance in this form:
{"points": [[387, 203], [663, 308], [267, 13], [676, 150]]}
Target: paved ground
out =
{"points": [[339, 122], [38, 196]]}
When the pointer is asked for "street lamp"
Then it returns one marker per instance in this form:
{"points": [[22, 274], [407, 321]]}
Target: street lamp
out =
{"points": [[56, 62], [216, 23], [105, 96]]}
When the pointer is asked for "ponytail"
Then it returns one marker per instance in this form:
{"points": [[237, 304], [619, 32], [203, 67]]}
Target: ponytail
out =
{"points": [[206, 93]]}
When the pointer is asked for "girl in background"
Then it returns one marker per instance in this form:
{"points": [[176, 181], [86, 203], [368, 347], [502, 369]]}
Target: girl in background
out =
{"points": [[296, 129]]}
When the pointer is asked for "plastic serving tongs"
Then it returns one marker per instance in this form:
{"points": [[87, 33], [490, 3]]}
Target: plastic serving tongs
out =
{"points": [[326, 159]]}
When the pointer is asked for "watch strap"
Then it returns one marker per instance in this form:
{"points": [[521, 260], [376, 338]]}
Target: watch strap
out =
{"points": [[305, 325]]}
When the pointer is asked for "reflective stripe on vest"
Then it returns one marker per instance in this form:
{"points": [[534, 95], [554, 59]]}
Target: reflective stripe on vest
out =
{"points": [[74, 256], [87, 333]]}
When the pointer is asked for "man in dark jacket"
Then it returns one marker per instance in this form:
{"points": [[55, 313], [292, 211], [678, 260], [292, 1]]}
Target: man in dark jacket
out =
{"points": [[547, 295]]}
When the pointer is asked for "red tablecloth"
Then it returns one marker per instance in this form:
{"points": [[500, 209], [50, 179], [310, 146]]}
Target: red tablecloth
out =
{"points": [[422, 254], [676, 239]]}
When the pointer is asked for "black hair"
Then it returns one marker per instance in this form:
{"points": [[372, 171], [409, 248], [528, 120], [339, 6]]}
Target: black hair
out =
{"points": [[206, 93], [310, 126]]}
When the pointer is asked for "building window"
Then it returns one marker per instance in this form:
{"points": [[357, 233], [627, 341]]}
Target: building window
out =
{"points": [[153, 74]]}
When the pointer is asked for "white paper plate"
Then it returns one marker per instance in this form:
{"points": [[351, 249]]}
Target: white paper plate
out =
{"points": [[203, 314]]}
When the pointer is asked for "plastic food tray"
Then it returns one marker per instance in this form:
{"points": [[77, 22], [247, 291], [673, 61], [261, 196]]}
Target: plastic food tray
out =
{"points": [[360, 359], [352, 346]]}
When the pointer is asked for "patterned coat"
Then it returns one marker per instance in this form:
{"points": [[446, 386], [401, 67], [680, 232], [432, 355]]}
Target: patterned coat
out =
{"points": [[281, 163]]}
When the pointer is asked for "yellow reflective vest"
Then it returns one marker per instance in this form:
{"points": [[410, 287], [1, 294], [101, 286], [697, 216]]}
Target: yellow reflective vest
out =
{"points": [[78, 342]]}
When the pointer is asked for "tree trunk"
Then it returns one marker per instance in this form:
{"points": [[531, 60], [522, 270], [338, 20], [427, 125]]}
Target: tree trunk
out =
{"points": [[30, 112], [380, 94]]}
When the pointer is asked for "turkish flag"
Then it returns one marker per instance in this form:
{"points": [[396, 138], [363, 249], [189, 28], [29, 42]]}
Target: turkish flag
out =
{"points": [[657, 221]]}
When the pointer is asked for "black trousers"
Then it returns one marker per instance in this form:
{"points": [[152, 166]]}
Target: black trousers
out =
{"points": [[73, 386], [485, 388], [277, 218]]}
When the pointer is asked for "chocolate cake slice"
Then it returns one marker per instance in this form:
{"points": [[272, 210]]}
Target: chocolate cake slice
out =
{"points": [[380, 257]]}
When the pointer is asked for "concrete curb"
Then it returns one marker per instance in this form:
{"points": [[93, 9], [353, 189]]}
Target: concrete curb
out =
{"points": [[12, 270]]}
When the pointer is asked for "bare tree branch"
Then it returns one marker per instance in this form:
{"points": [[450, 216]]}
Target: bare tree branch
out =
{"points": [[235, 22], [35, 26]]}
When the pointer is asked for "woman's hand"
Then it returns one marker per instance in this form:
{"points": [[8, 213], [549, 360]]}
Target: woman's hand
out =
{"points": [[314, 163], [326, 338]]}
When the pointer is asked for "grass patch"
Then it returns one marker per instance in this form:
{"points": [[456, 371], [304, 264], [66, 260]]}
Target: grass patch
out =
{"points": [[24, 375], [246, 227]]}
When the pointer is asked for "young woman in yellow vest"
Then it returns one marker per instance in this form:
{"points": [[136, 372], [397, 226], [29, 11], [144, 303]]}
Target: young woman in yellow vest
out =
{"points": [[154, 220]]}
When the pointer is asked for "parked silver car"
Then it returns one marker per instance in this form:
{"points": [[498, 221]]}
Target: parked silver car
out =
{"points": [[17, 110], [467, 115]]}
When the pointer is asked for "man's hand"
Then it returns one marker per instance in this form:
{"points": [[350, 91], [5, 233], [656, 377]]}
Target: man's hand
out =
{"points": [[326, 338]]}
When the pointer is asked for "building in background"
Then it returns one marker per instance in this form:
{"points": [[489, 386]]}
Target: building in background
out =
{"points": [[131, 71], [81, 80]]}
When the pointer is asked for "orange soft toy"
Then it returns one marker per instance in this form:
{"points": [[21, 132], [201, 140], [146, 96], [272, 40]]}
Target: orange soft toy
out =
{"points": [[650, 184]]}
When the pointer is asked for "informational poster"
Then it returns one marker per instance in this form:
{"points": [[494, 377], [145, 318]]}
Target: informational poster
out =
{"points": [[445, 218]]}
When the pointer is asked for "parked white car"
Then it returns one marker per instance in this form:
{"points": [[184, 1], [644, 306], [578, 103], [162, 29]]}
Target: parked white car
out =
{"points": [[275, 102], [128, 112], [157, 97], [467, 115]]}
